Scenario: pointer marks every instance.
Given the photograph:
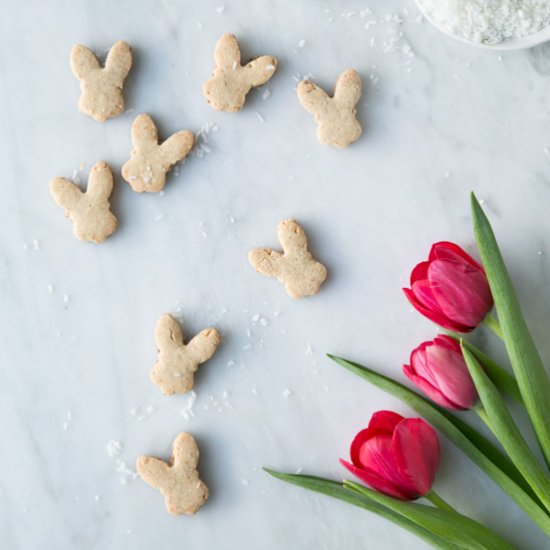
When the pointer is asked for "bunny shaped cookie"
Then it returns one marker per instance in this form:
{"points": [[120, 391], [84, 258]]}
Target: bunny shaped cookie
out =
{"points": [[231, 81], [178, 480], [101, 87], [90, 212], [336, 116], [149, 162], [177, 362], [295, 267]]}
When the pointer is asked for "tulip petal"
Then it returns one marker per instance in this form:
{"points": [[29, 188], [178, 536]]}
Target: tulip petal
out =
{"points": [[445, 250], [376, 454], [429, 389], [419, 364], [423, 293], [437, 318], [376, 482], [382, 430], [461, 291], [447, 342], [416, 453], [419, 272], [385, 421], [357, 444], [452, 377]]}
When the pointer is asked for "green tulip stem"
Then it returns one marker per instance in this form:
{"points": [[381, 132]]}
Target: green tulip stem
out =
{"points": [[435, 499], [491, 322]]}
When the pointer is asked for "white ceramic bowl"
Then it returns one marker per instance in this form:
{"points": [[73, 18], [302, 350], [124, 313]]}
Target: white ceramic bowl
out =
{"points": [[517, 44]]}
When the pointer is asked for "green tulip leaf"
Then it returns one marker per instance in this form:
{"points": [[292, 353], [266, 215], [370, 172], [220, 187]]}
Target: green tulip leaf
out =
{"points": [[336, 490], [506, 431], [480, 450], [454, 527], [531, 376]]}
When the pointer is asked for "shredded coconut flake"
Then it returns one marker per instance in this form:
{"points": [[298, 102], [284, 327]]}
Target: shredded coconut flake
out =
{"points": [[114, 448], [187, 411], [122, 468], [201, 148], [489, 21]]}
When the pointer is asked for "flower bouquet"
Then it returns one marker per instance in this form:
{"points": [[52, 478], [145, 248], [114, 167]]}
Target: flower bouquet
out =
{"points": [[397, 458]]}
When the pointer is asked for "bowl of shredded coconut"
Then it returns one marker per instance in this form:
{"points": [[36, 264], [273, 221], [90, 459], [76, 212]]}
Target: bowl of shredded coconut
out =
{"points": [[495, 24]]}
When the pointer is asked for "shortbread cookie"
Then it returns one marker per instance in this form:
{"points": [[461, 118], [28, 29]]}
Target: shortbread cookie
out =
{"points": [[177, 480], [150, 161], [231, 81], [177, 362], [295, 267], [336, 116], [101, 87], [90, 211]]}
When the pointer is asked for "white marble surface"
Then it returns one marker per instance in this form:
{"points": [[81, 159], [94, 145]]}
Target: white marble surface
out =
{"points": [[440, 119]]}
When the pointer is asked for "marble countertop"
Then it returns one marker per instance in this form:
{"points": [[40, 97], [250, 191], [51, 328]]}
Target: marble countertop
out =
{"points": [[77, 320]]}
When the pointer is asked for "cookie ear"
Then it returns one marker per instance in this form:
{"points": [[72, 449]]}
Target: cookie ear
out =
{"points": [[348, 88], [65, 193], [168, 333], [265, 261], [227, 52], [100, 181], [185, 453], [311, 97], [204, 344], [144, 132], [83, 61], [292, 237], [260, 70], [119, 60], [153, 471], [177, 146]]}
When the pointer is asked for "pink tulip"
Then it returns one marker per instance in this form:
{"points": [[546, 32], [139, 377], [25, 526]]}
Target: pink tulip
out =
{"points": [[396, 456], [439, 370], [451, 289]]}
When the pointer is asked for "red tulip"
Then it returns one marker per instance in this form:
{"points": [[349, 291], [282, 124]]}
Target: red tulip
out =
{"points": [[439, 370], [451, 288], [396, 456]]}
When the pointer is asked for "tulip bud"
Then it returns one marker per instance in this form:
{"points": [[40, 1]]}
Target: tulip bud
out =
{"points": [[439, 370], [450, 289], [396, 456]]}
